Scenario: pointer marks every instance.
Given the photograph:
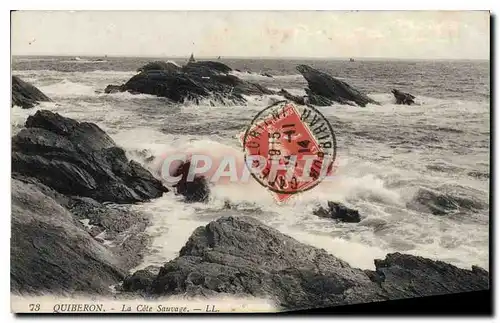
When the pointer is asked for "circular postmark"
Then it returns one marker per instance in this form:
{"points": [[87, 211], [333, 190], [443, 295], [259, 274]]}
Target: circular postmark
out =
{"points": [[288, 148]]}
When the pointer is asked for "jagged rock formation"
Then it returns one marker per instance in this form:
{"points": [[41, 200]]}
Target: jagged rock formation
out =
{"points": [[51, 251], [338, 211], [79, 158], [242, 256], [333, 89], [192, 82], [196, 190], [64, 240], [26, 95], [403, 98]]}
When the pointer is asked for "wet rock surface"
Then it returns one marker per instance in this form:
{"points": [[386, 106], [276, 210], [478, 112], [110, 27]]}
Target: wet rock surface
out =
{"points": [[242, 256], [403, 98], [52, 252], [80, 159], [338, 211], [25, 95], [192, 82], [324, 85], [69, 232], [195, 190]]}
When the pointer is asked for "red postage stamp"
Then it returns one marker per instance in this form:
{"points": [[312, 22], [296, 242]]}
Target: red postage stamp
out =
{"points": [[289, 149]]}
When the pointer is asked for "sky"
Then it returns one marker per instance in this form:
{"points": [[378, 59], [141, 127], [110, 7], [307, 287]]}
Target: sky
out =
{"points": [[299, 34]]}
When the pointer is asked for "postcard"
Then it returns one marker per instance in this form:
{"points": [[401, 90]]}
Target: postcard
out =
{"points": [[249, 161]]}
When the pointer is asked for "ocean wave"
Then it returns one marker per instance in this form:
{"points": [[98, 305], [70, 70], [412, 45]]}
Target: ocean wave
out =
{"points": [[67, 88]]}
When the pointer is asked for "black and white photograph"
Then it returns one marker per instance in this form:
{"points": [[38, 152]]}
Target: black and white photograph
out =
{"points": [[250, 161]]}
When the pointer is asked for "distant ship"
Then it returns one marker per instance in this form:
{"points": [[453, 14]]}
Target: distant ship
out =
{"points": [[351, 59], [191, 59]]}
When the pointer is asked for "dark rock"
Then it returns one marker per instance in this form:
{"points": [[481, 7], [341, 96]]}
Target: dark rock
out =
{"points": [[141, 280], [404, 276], [196, 190], [78, 158], [310, 98], [297, 99], [338, 211], [441, 202], [241, 256], [159, 66], [175, 86], [114, 88], [193, 82], [319, 100], [51, 252], [403, 98], [336, 90], [26, 95], [209, 65], [266, 74]]}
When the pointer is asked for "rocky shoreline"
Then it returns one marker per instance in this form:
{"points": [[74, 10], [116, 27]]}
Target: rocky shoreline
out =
{"points": [[73, 232], [213, 81], [241, 256], [73, 229], [208, 80], [25, 95]]}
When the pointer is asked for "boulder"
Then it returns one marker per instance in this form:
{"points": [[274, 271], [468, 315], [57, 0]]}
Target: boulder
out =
{"points": [[114, 88], [295, 98], [243, 257], [50, 250], [196, 190], [141, 280], [331, 88], [444, 201], [403, 98], [26, 95], [338, 211], [79, 158]]}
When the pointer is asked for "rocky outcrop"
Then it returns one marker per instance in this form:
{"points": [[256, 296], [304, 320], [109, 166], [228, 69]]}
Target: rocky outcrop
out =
{"points": [[403, 98], [51, 251], [141, 280], [310, 98], [64, 239], [192, 82], [440, 201], [326, 86], [338, 211], [25, 95], [403, 276], [242, 256], [302, 100], [159, 66], [114, 89], [206, 67], [196, 190], [78, 158]]}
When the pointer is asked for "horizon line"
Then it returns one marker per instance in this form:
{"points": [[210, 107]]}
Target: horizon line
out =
{"points": [[253, 57]]}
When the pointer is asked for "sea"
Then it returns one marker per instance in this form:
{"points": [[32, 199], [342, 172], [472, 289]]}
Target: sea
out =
{"points": [[397, 164]]}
